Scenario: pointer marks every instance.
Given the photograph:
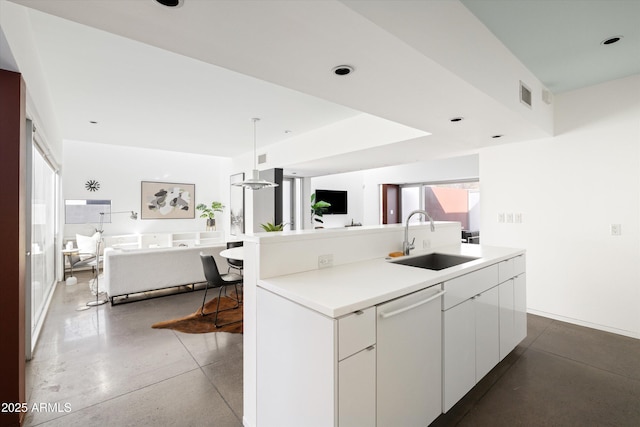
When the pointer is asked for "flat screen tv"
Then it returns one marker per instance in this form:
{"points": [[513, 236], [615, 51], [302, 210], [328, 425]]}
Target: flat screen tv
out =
{"points": [[337, 198]]}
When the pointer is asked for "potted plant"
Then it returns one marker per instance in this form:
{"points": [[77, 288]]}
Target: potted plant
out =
{"points": [[272, 227], [209, 212], [318, 209]]}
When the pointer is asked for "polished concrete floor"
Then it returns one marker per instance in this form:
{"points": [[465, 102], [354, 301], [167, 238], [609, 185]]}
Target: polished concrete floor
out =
{"points": [[110, 368]]}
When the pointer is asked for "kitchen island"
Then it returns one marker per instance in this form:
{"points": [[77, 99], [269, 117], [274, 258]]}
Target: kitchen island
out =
{"points": [[366, 341]]}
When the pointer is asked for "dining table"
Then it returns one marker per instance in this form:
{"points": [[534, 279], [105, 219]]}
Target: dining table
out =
{"points": [[236, 253]]}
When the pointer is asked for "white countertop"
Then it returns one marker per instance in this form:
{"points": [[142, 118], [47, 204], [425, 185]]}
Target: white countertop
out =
{"points": [[339, 290]]}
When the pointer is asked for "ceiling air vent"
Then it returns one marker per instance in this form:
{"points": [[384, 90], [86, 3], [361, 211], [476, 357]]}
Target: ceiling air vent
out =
{"points": [[525, 94], [262, 158]]}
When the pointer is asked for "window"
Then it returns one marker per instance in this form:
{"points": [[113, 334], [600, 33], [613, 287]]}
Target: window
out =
{"points": [[454, 202], [86, 211], [447, 201]]}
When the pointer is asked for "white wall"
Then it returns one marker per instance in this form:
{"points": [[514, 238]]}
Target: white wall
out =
{"points": [[569, 190], [16, 27], [120, 171]]}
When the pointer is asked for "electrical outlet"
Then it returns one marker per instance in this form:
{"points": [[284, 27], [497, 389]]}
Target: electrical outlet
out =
{"points": [[616, 229], [501, 217], [509, 217], [518, 218], [325, 261]]}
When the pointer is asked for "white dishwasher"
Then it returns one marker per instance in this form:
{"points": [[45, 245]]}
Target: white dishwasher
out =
{"points": [[408, 366]]}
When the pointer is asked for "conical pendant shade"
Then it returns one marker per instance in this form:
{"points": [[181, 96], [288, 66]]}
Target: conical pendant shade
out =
{"points": [[255, 183]]}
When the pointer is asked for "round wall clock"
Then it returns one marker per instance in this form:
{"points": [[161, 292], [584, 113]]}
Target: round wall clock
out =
{"points": [[92, 185]]}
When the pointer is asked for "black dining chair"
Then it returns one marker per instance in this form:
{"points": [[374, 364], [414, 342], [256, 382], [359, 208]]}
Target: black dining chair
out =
{"points": [[237, 264], [216, 280]]}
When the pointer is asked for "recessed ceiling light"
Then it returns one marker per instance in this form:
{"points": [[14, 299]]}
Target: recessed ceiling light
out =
{"points": [[342, 70], [497, 136], [611, 40], [171, 3], [288, 131], [457, 119], [93, 122]]}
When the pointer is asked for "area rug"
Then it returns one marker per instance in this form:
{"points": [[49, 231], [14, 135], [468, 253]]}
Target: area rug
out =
{"points": [[197, 324]]}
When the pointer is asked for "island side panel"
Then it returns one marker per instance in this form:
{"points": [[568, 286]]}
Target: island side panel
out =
{"points": [[250, 278], [295, 369]]}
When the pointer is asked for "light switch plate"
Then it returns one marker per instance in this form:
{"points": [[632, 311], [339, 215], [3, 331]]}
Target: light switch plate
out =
{"points": [[616, 229]]}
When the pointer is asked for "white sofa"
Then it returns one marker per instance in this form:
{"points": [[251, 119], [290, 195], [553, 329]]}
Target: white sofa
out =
{"points": [[130, 271]]}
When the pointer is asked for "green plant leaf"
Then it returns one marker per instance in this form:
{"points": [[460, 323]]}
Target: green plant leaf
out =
{"points": [[319, 208], [272, 227], [210, 211]]}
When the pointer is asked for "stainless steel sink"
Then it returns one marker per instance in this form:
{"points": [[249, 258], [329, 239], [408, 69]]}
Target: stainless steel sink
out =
{"points": [[435, 261]]}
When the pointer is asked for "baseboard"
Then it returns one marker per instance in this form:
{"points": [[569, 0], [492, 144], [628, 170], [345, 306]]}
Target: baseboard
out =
{"points": [[578, 322]]}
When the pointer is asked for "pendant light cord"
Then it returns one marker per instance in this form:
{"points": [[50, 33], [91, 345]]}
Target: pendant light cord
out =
{"points": [[255, 150]]}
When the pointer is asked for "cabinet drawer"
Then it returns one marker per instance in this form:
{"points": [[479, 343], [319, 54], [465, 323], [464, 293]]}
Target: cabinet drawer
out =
{"points": [[464, 287], [505, 270], [356, 331]]}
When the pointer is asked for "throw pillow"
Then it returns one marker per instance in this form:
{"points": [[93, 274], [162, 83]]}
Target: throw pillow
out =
{"points": [[87, 245]]}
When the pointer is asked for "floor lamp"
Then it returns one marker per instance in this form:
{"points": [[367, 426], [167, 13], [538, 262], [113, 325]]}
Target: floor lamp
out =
{"points": [[98, 301]]}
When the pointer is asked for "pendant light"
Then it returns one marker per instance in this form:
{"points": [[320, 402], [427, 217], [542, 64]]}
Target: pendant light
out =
{"points": [[255, 183]]}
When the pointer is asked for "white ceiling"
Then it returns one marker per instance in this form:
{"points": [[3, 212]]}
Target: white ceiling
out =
{"points": [[190, 79]]}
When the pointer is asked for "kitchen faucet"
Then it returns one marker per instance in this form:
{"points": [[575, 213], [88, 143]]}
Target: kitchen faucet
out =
{"points": [[406, 246]]}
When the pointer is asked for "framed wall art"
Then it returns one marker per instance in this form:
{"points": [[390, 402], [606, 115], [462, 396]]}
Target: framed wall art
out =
{"points": [[167, 200], [236, 206]]}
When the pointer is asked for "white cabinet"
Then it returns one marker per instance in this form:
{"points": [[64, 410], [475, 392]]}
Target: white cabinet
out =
{"points": [[162, 240], [357, 369], [356, 331], [125, 241], [470, 344], [409, 370], [206, 238], [507, 318], [376, 367], [155, 240], [487, 316], [197, 238], [469, 285], [400, 363], [520, 306], [513, 304], [357, 389], [484, 318], [458, 353]]}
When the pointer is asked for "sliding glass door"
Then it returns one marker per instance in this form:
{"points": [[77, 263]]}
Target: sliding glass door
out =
{"points": [[291, 203], [43, 220], [448, 201]]}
